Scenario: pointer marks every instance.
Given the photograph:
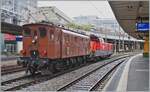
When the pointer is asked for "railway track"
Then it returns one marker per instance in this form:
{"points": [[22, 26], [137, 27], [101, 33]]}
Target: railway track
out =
{"points": [[16, 83], [93, 79], [25, 81], [11, 69]]}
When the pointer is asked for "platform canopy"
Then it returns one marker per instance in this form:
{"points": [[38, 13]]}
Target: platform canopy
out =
{"points": [[128, 13], [11, 28]]}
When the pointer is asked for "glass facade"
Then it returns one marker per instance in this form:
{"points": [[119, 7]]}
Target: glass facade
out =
{"points": [[15, 12], [103, 25]]}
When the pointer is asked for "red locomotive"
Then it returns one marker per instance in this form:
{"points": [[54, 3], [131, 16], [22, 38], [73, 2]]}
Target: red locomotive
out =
{"points": [[50, 47]]}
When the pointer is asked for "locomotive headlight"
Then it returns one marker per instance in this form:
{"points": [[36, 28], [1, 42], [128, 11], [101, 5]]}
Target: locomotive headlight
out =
{"points": [[35, 37], [23, 52], [33, 41], [44, 53]]}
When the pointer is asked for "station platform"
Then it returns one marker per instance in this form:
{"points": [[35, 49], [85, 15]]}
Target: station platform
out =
{"points": [[132, 75], [8, 58]]}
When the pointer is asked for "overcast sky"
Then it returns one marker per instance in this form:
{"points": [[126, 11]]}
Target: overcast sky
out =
{"points": [[84, 8]]}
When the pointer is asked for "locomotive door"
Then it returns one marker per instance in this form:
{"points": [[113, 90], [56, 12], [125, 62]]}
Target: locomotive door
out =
{"points": [[54, 36], [57, 42], [42, 41]]}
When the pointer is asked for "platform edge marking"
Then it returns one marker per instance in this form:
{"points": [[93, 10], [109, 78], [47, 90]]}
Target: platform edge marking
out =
{"points": [[122, 85]]}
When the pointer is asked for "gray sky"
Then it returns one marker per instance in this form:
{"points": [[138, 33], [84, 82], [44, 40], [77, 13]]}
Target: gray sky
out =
{"points": [[76, 8]]}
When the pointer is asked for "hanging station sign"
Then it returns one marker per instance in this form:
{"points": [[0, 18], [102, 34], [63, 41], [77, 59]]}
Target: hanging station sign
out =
{"points": [[19, 38], [142, 26]]}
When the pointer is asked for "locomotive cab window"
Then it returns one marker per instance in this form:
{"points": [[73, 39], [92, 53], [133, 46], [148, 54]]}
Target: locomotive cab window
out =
{"points": [[27, 32], [42, 32]]}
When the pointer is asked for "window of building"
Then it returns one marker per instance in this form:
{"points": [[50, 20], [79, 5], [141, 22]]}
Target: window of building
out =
{"points": [[42, 32]]}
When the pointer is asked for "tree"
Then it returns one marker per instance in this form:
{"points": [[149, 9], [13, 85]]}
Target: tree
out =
{"points": [[85, 27]]}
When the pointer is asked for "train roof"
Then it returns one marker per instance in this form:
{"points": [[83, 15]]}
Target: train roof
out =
{"points": [[46, 24], [73, 33], [63, 28]]}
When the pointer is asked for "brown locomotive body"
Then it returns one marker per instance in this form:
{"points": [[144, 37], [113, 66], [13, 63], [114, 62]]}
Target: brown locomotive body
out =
{"points": [[41, 40], [53, 42], [52, 46], [49, 47], [74, 45]]}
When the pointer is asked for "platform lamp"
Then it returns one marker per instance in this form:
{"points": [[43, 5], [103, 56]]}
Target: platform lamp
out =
{"points": [[129, 41], [105, 35], [115, 42], [119, 38], [123, 42]]}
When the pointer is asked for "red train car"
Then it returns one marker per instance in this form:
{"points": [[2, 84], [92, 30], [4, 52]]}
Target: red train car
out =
{"points": [[99, 48]]}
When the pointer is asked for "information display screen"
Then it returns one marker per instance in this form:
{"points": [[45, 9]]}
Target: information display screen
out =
{"points": [[18, 38], [142, 27]]}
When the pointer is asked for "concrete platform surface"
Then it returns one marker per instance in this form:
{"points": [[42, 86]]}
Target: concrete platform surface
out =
{"points": [[9, 62], [132, 75], [9, 57]]}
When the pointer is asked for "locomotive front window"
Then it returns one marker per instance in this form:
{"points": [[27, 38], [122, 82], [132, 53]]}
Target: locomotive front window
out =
{"points": [[42, 32], [27, 31]]}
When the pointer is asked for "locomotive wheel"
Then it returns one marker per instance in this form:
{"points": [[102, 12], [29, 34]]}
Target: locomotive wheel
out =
{"points": [[67, 64], [32, 70], [82, 60], [79, 61], [59, 66], [25, 64], [85, 59], [52, 68], [72, 63]]}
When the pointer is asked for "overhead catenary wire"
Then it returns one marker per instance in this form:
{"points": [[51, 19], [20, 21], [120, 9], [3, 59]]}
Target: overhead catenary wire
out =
{"points": [[101, 13]]}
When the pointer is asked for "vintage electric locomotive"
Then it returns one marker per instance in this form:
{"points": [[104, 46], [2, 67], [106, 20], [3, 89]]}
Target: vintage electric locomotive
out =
{"points": [[47, 47]]}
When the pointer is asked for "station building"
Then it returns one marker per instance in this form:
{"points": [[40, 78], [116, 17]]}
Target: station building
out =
{"points": [[52, 14], [21, 12], [15, 12]]}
